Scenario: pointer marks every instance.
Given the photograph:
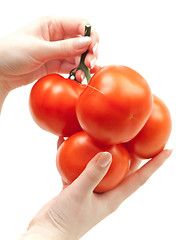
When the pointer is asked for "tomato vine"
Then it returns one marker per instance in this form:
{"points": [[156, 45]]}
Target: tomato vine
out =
{"points": [[82, 65]]}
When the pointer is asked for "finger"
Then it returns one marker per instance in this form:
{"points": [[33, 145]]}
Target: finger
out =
{"points": [[134, 165], [93, 48], [66, 27], [59, 27], [95, 69], [66, 67], [93, 174], [52, 66], [80, 76], [62, 66], [92, 55], [60, 141], [90, 61], [64, 48], [132, 182], [65, 184]]}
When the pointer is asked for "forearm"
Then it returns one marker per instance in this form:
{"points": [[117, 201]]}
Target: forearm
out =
{"points": [[36, 236], [45, 233], [3, 94]]}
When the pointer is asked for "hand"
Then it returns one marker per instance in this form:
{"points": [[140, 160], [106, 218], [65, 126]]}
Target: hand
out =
{"points": [[47, 45], [77, 208]]}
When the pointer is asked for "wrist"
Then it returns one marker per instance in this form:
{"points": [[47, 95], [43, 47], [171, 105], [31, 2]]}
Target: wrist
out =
{"points": [[41, 233]]}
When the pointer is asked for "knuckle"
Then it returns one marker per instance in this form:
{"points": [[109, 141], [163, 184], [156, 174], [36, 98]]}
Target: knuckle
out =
{"points": [[93, 174], [45, 19], [112, 205]]}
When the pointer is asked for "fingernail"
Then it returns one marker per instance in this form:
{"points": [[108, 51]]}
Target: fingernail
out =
{"points": [[166, 153], [169, 152], [95, 48], [93, 63], [104, 159], [82, 76], [83, 41]]}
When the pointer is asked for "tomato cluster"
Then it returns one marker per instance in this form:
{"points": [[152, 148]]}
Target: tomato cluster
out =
{"points": [[115, 112]]}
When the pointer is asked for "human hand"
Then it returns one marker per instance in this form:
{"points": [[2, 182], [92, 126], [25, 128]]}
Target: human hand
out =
{"points": [[77, 208], [47, 45]]}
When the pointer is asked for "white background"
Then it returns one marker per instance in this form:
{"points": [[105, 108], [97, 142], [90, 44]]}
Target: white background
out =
{"points": [[143, 35]]}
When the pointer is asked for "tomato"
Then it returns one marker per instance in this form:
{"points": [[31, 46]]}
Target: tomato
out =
{"points": [[115, 105], [154, 135], [52, 104], [74, 154]]}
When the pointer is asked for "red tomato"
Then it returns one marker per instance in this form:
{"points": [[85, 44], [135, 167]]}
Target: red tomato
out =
{"points": [[74, 154], [154, 135], [115, 105], [52, 104]]}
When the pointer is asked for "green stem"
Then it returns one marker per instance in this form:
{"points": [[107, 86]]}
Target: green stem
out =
{"points": [[82, 65]]}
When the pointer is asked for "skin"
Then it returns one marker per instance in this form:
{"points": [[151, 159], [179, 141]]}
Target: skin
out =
{"points": [[51, 45], [47, 45]]}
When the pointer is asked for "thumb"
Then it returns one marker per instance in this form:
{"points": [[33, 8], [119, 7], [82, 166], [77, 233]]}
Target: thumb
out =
{"points": [[93, 173], [66, 48]]}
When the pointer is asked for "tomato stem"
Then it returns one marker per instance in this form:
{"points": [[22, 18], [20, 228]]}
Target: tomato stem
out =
{"points": [[82, 65]]}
